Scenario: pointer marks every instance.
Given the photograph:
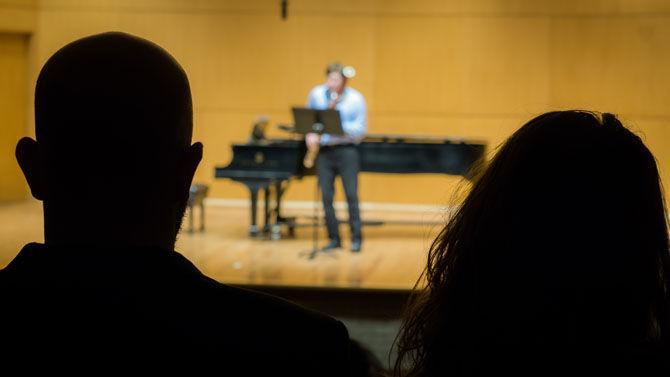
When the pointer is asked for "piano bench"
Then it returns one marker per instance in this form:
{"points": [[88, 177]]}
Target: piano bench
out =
{"points": [[196, 197], [289, 222]]}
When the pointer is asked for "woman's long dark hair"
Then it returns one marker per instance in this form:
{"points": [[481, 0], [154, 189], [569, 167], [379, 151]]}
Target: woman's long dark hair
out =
{"points": [[562, 241]]}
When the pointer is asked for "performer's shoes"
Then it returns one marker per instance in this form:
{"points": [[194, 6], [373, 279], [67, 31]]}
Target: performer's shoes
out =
{"points": [[332, 244], [356, 246]]}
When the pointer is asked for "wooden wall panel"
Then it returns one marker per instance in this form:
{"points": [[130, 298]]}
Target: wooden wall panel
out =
{"points": [[619, 65], [622, 63], [473, 69], [458, 66], [13, 96], [19, 16]]}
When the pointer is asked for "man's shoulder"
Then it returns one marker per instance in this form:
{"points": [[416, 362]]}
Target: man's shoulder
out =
{"points": [[355, 94], [26, 263], [163, 300], [247, 303], [318, 90], [169, 277], [254, 323]]}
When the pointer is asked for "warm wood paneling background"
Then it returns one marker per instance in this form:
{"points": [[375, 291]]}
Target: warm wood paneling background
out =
{"points": [[473, 69], [13, 112]]}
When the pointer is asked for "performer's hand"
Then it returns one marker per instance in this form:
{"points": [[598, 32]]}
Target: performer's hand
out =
{"points": [[312, 140]]}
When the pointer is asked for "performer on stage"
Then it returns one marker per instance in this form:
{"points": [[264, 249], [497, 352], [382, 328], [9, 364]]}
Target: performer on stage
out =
{"points": [[338, 155]]}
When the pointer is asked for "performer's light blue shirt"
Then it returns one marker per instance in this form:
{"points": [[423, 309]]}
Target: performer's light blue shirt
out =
{"points": [[353, 113]]}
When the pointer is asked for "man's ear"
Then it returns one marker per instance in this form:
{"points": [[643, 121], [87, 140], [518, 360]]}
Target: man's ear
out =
{"points": [[188, 165], [30, 157]]}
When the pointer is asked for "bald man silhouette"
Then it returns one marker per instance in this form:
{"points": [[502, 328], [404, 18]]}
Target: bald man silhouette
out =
{"points": [[112, 163]]}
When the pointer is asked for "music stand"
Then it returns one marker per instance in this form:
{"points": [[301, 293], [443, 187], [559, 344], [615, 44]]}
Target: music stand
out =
{"points": [[319, 122]]}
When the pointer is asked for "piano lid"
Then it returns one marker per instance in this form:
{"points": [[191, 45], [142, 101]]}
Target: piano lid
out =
{"points": [[419, 138]]}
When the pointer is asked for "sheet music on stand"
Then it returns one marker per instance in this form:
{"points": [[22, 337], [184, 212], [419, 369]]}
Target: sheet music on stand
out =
{"points": [[319, 122]]}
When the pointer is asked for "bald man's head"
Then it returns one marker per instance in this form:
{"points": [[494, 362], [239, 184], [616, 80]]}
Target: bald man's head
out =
{"points": [[112, 104], [113, 119]]}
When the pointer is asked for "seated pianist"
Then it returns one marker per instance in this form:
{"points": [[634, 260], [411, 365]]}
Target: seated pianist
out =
{"points": [[258, 130]]}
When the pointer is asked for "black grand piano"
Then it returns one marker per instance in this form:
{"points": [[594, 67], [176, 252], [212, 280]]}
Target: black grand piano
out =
{"points": [[268, 166]]}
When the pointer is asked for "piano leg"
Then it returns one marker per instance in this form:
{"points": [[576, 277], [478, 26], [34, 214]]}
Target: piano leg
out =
{"points": [[275, 226], [253, 229], [280, 188], [202, 216], [266, 210], [278, 193]]}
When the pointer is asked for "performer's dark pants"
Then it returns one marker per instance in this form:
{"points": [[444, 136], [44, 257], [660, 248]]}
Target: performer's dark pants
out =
{"points": [[339, 160]]}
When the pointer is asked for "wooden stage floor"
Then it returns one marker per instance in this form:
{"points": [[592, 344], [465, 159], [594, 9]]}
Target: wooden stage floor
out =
{"points": [[392, 258]]}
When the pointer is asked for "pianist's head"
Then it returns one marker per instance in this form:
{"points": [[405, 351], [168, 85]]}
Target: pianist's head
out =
{"points": [[113, 159], [561, 245]]}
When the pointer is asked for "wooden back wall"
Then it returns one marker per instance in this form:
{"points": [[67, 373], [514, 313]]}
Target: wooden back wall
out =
{"points": [[472, 69]]}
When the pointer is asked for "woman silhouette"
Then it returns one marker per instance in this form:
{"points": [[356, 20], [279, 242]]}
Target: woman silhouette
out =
{"points": [[557, 260]]}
